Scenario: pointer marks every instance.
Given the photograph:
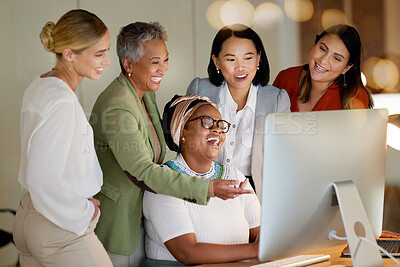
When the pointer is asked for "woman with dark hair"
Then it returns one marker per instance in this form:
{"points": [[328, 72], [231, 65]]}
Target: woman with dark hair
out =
{"points": [[332, 78], [238, 83], [178, 230]]}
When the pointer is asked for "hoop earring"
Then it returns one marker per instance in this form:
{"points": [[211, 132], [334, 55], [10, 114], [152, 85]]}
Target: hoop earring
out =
{"points": [[344, 80]]}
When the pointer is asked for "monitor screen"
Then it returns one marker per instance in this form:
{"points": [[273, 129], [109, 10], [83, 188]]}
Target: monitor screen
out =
{"points": [[303, 154]]}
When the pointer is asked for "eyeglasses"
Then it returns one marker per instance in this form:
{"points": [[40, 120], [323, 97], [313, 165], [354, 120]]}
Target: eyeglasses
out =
{"points": [[208, 123]]}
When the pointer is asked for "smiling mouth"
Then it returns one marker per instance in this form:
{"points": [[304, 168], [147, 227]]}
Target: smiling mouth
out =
{"points": [[319, 68], [241, 77], [99, 70], [156, 79], [213, 141]]}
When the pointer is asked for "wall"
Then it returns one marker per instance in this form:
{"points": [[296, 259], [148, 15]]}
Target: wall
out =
{"points": [[23, 59]]}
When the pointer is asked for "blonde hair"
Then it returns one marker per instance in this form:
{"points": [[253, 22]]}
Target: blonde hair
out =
{"points": [[77, 29]]}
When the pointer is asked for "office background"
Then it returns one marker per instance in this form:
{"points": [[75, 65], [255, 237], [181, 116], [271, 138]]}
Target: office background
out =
{"points": [[287, 28]]}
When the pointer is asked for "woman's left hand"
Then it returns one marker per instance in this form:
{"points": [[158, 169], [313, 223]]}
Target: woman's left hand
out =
{"points": [[389, 234]]}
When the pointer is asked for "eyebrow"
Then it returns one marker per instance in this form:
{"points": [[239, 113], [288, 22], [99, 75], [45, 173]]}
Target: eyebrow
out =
{"points": [[150, 59], [337, 54], [232, 55]]}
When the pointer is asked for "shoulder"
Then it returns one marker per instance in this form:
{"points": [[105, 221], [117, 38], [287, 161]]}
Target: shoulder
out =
{"points": [[46, 94], [361, 100], [117, 95], [205, 88], [288, 76]]}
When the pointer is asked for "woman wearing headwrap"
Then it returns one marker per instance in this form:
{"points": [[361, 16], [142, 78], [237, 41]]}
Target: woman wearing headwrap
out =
{"points": [[218, 232]]}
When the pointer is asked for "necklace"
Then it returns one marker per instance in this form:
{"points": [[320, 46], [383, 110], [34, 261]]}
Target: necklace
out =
{"points": [[217, 171]]}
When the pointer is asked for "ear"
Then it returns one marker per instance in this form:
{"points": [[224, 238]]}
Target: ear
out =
{"points": [[346, 68], [68, 54], [216, 61], [126, 63], [258, 58]]}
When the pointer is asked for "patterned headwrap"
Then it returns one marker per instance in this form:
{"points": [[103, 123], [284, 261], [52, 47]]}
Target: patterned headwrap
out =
{"points": [[176, 113]]}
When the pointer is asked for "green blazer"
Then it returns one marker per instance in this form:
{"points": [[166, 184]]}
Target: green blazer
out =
{"points": [[125, 147]]}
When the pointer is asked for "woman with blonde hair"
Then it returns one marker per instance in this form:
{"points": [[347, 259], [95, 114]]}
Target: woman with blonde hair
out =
{"points": [[54, 224]]}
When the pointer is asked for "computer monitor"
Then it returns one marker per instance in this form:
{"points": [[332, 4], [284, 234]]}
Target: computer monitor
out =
{"points": [[304, 153]]}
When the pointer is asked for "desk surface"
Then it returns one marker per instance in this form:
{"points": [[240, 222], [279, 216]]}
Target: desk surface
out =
{"points": [[335, 260]]}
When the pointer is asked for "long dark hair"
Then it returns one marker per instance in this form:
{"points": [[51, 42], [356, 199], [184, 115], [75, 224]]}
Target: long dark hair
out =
{"points": [[350, 88], [239, 31]]}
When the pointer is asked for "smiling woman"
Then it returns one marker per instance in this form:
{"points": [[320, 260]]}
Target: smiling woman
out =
{"points": [[54, 225], [238, 73], [332, 78], [221, 231]]}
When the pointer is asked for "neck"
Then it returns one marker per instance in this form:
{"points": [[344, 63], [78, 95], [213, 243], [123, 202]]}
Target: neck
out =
{"points": [[67, 74], [196, 164], [139, 93], [240, 97]]}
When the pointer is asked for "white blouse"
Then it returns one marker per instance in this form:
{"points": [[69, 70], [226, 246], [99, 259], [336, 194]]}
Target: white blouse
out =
{"points": [[237, 149], [59, 166], [218, 222]]}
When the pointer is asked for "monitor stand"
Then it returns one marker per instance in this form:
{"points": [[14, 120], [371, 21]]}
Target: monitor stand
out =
{"points": [[356, 224]]}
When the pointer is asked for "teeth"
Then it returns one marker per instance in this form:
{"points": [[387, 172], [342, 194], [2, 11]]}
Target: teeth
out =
{"points": [[100, 69], [156, 79], [320, 68], [241, 76], [214, 140]]}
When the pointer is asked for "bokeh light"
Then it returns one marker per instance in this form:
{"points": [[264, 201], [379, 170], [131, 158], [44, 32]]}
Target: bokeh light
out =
{"points": [[299, 10], [332, 17], [386, 74], [382, 74], [213, 14], [237, 11], [268, 14]]}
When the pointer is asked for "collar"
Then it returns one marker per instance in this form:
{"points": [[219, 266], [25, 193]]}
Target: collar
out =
{"points": [[226, 97]]}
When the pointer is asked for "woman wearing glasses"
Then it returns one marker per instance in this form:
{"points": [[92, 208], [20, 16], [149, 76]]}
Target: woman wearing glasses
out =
{"points": [[238, 76], [178, 230]]}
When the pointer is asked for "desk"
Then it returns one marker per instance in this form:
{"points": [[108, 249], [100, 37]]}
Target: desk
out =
{"points": [[335, 260]]}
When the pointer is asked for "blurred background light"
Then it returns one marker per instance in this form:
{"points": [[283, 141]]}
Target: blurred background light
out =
{"points": [[267, 15], [237, 11], [213, 14], [332, 17], [386, 74], [299, 10]]}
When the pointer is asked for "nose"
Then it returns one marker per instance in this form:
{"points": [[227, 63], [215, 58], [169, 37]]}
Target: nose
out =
{"points": [[215, 128], [106, 61], [163, 67], [239, 64], [324, 58]]}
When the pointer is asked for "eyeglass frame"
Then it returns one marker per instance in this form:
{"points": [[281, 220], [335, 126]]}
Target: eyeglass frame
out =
{"points": [[215, 122]]}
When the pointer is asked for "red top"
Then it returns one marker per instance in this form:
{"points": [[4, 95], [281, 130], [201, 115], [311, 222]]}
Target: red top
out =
{"points": [[289, 80]]}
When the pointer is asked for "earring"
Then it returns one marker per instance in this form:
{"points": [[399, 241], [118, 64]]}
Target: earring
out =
{"points": [[218, 71], [344, 80], [258, 66], [129, 74]]}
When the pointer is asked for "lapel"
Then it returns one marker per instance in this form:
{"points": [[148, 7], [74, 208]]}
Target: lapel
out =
{"points": [[149, 101]]}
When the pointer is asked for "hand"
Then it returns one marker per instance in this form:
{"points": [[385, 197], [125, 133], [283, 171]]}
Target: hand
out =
{"points": [[96, 204], [227, 189], [389, 234]]}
